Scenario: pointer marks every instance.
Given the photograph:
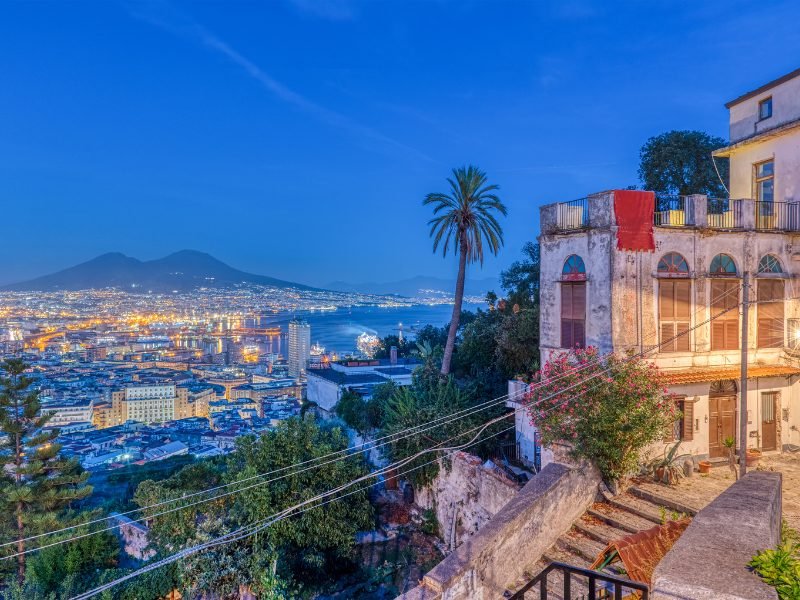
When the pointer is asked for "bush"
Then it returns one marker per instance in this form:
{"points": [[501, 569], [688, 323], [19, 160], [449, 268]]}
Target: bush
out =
{"points": [[780, 568], [609, 411]]}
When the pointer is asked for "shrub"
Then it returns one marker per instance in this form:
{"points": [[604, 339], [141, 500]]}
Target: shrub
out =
{"points": [[609, 409], [780, 567]]}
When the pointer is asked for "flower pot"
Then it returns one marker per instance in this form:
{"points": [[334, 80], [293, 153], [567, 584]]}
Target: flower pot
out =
{"points": [[704, 466], [752, 457]]}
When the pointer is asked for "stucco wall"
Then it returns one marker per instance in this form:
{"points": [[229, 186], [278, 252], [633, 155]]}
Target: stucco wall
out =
{"points": [[744, 120], [785, 150], [485, 565], [465, 497], [709, 561]]}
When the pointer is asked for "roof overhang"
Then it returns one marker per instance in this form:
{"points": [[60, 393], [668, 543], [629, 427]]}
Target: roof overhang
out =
{"points": [[707, 374], [763, 88], [757, 138]]}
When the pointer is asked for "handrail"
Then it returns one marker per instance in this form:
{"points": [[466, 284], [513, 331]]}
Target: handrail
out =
{"points": [[618, 583]]}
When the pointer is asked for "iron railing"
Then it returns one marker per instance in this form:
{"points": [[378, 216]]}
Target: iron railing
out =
{"points": [[724, 213], [601, 586], [573, 215], [777, 216], [673, 211]]}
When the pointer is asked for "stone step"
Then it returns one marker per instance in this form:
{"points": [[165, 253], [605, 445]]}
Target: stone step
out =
{"points": [[599, 530], [621, 519], [648, 493], [583, 546], [637, 506]]}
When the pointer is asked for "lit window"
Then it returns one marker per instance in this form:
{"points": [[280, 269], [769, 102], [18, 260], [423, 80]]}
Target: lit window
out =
{"points": [[765, 108]]}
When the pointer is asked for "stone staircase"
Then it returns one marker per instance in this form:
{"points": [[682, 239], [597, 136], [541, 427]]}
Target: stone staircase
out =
{"points": [[639, 508]]}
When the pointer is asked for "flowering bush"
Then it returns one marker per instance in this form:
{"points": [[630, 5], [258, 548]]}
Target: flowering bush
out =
{"points": [[608, 408]]}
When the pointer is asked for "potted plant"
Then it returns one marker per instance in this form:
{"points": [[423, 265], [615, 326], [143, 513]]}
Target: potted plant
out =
{"points": [[668, 469], [730, 444], [704, 466], [752, 457]]}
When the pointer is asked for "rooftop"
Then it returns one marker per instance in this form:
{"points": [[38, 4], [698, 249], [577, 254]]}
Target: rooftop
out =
{"points": [[764, 88]]}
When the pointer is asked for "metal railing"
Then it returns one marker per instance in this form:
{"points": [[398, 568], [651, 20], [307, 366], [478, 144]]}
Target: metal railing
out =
{"points": [[673, 211], [573, 215], [724, 213], [777, 216], [601, 586]]}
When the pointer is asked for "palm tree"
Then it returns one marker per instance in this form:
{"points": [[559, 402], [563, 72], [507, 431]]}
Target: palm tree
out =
{"points": [[464, 220]]}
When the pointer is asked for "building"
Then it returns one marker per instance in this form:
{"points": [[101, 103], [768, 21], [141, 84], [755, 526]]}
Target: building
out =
{"points": [[66, 413], [299, 347], [326, 386], [631, 272]]}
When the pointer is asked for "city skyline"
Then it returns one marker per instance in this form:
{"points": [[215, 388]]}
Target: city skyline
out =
{"points": [[177, 125]]}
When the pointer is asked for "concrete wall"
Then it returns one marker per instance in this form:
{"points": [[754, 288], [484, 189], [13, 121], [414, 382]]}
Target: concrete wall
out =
{"points": [[465, 497], [322, 391], [744, 121], [486, 564], [709, 561]]}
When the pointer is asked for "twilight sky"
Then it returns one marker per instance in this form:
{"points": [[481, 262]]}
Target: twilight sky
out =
{"points": [[297, 138]]}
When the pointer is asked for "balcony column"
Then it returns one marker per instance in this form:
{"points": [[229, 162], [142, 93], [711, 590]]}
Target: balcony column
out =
{"points": [[697, 210], [748, 213]]}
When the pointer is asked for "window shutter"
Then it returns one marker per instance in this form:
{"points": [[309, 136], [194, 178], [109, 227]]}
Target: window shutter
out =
{"points": [[688, 420], [770, 314]]}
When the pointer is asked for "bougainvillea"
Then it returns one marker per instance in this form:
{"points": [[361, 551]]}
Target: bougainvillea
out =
{"points": [[608, 408]]}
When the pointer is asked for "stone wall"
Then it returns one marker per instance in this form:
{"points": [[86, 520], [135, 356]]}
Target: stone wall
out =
{"points": [[485, 565], [465, 496], [709, 561]]}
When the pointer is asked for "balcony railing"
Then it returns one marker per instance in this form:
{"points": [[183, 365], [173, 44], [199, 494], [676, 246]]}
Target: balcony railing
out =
{"points": [[673, 211], [777, 216], [724, 213], [573, 215], [600, 585]]}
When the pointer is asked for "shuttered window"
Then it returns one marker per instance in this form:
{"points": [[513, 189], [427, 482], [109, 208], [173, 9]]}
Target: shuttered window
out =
{"points": [[674, 309], [725, 315], [770, 313], [573, 314], [683, 427]]}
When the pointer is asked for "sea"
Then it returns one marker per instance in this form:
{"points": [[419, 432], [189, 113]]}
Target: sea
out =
{"points": [[337, 330]]}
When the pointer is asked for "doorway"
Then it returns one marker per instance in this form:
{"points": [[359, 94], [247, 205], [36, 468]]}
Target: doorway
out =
{"points": [[721, 417], [769, 425]]}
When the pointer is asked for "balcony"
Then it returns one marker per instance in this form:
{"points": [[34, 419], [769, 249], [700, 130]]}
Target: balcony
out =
{"points": [[572, 215], [777, 216], [673, 211], [724, 213]]}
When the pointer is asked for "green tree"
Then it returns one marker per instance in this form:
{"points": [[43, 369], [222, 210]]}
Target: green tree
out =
{"points": [[521, 280], [680, 162], [352, 409], [404, 347], [39, 486], [465, 220]]}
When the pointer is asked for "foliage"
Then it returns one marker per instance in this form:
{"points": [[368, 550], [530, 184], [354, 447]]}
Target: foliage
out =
{"points": [[405, 347], [680, 162], [430, 524], [352, 409], [464, 220], [309, 547], [667, 469], [38, 486], [418, 405], [609, 409], [521, 280], [780, 567]]}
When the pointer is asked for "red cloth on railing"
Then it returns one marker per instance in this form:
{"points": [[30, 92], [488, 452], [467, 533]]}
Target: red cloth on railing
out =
{"points": [[634, 211]]}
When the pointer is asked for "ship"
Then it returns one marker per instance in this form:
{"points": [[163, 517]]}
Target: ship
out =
{"points": [[368, 344]]}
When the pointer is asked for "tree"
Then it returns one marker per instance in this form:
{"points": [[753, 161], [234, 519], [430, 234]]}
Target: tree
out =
{"points": [[521, 280], [464, 220], [39, 486], [609, 410], [352, 409], [680, 163], [404, 347]]}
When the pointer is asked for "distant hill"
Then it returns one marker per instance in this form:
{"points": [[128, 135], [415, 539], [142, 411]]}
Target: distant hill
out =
{"points": [[417, 286], [183, 271]]}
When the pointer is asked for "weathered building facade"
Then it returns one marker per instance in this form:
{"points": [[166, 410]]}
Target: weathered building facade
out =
{"points": [[678, 301]]}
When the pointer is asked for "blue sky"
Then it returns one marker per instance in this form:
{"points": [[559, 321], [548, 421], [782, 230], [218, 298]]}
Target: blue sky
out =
{"points": [[297, 138]]}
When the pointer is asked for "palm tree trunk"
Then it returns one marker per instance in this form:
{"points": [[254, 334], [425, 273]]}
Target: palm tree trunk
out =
{"points": [[458, 300]]}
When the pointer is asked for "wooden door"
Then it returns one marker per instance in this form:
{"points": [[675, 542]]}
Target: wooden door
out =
{"points": [[721, 424], [769, 427]]}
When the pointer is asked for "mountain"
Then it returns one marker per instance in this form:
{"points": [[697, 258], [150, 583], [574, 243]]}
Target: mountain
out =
{"points": [[417, 286], [182, 271]]}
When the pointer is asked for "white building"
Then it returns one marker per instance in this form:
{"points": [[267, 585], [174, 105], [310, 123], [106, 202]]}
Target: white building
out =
{"points": [[299, 347], [150, 403], [67, 413], [675, 297]]}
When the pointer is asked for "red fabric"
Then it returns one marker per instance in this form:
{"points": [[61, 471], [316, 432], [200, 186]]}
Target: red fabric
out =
{"points": [[634, 210]]}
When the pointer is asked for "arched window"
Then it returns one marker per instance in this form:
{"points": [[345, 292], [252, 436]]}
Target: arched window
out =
{"points": [[674, 303], [574, 268], [673, 263], [770, 263], [573, 303], [722, 264]]}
